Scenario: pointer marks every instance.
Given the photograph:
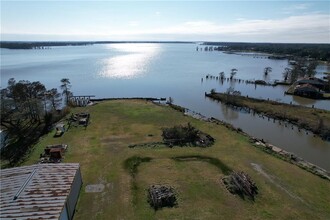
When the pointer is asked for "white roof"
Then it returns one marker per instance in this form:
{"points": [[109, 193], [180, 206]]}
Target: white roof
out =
{"points": [[37, 191]]}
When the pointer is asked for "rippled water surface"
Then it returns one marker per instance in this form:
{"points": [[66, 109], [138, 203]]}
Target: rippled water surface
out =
{"points": [[170, 70]]}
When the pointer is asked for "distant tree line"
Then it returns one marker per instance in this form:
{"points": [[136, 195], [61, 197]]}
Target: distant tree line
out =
{"points": [[316, 51], [45, 44], [37, 45], [28, 109]]}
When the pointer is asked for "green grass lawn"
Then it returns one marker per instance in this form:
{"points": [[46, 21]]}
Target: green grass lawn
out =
{"points": [[285, 191]]}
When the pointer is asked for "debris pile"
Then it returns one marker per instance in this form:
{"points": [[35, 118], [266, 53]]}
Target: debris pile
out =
{"points": [[161, 196], [186, 135], [53, 153], [60, 129], [240, 183], [79, 119]]}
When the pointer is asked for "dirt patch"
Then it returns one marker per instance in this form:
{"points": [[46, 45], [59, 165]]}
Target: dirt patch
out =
{"points": [[114, 139], [114, 143], [94, 188], [271, 179]]}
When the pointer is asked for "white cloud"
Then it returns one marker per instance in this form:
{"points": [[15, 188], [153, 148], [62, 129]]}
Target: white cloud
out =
{"points": [[312, 28], [302, 6], [315, 26], [296, 7], [134, 23]]}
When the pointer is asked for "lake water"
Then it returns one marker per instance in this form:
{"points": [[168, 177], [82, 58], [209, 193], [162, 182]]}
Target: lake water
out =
{"points": [[170, 70]]}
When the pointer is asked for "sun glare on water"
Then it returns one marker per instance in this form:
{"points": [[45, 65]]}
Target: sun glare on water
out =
{"points": [[132, 64]]}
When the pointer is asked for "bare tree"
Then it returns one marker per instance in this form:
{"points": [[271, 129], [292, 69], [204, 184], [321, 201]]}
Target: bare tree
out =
{"points": [[267, 70], [54, 97], [286, 74], [233, 73], [24, 116], [222, 75], [311, 68], [66, 85]]}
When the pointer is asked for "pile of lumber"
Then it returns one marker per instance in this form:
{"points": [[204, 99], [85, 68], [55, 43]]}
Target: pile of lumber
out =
{"points": [[53, 153], [161, 196], [240, 183], [81, 118]]}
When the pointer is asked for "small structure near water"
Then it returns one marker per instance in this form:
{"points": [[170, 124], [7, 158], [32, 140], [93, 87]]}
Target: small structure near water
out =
{"points": [[315, 82], [310, 87], [260, 82], [80, 101]]}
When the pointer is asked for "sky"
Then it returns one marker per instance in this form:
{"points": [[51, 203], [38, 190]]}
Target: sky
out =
{"points": [[226, 21]]}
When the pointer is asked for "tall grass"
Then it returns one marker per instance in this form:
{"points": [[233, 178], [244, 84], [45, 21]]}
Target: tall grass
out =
{"points": [[131, 164]]}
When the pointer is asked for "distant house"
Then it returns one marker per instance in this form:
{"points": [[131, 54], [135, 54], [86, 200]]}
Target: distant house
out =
{"points": [[41, 191], [316, 82], [307, 90]]}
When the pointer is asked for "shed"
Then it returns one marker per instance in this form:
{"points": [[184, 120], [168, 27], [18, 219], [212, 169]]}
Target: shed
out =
{"points": [[41, 191]]}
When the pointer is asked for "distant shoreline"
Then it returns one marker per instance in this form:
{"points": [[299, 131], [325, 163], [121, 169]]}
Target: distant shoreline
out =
{"points": [[277, 50], [45, 44]]}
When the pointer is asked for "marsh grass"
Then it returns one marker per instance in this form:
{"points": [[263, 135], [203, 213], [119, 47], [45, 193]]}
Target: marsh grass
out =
{"points": [[316, 120], [131, 164]]}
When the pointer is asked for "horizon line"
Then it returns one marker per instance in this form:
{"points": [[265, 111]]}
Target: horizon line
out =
{"points": [[144, 41]]}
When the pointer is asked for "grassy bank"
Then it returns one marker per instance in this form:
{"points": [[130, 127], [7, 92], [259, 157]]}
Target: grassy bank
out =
{"points": [[195, 173], [315, 120]]}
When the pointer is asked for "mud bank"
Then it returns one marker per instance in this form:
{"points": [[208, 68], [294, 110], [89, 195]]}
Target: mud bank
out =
{"points": [[311, 119]]}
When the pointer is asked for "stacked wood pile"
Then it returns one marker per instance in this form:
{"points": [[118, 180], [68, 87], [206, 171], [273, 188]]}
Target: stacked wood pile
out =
{"points": [[79, 119], [240, 183], [161, 196]]}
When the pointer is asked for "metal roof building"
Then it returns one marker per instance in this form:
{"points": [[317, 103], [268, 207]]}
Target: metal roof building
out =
{"points": [[41, 191]]}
